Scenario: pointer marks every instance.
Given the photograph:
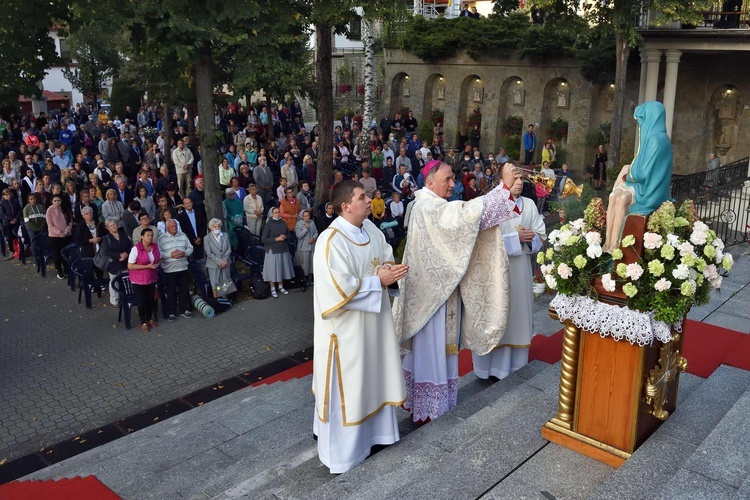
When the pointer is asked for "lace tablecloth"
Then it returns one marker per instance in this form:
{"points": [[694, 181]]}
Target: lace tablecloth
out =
{"points": [[611, 321]]}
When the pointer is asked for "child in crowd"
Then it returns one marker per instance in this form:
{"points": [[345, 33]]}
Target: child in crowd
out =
{"points": [[378, 207]]}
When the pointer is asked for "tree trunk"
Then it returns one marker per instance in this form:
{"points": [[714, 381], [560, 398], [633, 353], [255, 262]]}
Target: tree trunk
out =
{"points": [[209, 158], [324, 90], [167, 127], [191, 122], [269, 125], [368, 39], [622, 51]]}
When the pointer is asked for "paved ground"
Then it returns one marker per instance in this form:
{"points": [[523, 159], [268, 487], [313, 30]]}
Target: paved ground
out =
{"points": [[65, 369]]}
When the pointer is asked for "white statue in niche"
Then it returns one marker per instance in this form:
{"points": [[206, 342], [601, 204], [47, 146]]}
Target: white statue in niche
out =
{"points": [[518, 97], [562, 99], [476, 94]]}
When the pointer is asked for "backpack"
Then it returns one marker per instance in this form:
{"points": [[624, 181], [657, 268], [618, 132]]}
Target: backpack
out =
{"points": [[260, 289]]}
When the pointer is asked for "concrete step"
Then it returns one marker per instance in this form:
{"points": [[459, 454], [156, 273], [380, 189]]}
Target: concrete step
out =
{"points": [[660, 459], [296, 480], [456, 454], [142, 462], [722, 461]]}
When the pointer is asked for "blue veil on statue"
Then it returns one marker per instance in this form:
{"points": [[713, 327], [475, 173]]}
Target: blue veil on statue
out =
{"points": [[650, 173]]}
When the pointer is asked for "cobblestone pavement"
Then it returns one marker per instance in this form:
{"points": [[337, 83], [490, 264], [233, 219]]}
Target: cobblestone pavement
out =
{"points": [[65, 369]]}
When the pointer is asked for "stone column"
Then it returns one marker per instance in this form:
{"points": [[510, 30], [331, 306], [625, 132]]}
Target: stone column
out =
{"points": [[653, 61], [670, 86], [644, 72]]}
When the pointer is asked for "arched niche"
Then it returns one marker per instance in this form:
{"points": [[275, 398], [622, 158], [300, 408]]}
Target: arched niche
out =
{"points": [[512, 103], [400, 92], [471, 97], [724, 114], [434, 94], [556, 104]]}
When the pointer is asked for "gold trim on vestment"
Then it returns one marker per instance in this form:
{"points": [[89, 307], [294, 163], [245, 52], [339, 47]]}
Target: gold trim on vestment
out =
{"points": [[335, 230], [333, 350], [512, 346], [343, 302], [451, 349]]}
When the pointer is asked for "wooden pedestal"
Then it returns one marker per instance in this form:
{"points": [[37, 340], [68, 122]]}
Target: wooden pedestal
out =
{"points": [[613, 395]]}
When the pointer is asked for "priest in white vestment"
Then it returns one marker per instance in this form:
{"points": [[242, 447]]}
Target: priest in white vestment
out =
{"points": [[357, 376], [522, 239], [457, 291]]}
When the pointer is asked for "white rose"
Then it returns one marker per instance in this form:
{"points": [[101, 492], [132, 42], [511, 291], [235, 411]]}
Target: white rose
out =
{"points": [[564, 271], [719, 256], [700, 226], [681, 272], [663, 285], [577, 226], [594, 251], [551, 282], [547, 269], [673, 240], [634, 271], [718, 244], [553, 236], [710, 272], [698, 237], [608, 283], [593, 238], [716, 282], [652, 240], [686, 249]]}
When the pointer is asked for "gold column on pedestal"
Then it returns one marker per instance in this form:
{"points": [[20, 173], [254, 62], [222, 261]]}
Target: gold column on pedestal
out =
{"points": [[568, 374]]}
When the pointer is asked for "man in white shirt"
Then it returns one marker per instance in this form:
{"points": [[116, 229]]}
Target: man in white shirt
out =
{"points": [[183, 164]]}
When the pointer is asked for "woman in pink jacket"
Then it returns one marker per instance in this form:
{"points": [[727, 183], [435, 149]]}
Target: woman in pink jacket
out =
{"points": [[59, 228], [143, 261]]}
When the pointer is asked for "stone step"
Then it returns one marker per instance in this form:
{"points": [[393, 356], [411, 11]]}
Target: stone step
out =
{"points": [[456, 454], [295, 482], [561, 473], [659, 460], [136, 463], [724, 456]]}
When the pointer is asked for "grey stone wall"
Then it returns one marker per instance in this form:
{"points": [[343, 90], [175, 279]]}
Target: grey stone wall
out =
{"points": [[450, 85]]}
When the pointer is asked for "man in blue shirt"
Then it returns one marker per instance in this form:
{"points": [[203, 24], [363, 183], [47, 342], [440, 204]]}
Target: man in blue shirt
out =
{"points": [[529, 145], [61, 160]]}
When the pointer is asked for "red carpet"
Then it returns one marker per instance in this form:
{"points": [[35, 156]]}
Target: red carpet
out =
{"points": [[77, 488], [706, 347]]}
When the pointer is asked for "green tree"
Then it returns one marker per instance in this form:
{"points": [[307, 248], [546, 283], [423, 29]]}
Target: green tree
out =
{"points": [[96, 48], [27, 50]]}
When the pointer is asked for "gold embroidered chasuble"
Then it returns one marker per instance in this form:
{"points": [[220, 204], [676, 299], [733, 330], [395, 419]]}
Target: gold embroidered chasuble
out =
{"points": [[451, 261], [361, 345]]}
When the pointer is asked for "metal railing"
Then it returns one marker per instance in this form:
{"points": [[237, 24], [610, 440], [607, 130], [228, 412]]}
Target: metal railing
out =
{"points": [[731, 14], [691, 186], [726, 210]]}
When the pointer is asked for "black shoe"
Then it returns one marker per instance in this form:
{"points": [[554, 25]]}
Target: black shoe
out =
{"points": [[61, 276], [187, 314], [172, 318]]}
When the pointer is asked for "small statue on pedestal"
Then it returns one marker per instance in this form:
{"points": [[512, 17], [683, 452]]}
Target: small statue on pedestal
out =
{"points": [[644, 185]]}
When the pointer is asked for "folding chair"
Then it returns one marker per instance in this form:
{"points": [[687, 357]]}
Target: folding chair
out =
{"points": [[88, 282], [127, 296]]}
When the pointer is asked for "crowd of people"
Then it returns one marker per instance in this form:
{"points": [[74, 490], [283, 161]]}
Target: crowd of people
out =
{"points": [[107, 184]]}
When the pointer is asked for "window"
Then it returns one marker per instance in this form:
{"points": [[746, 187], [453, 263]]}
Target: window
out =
{"points": [[64, 49], [355, 30]]}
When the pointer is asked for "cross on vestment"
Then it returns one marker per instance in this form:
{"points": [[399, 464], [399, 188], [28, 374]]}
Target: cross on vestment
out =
{"points": [[451, 315]]}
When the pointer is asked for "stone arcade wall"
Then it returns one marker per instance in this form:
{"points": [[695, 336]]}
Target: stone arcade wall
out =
{"points": [[539, 92]]}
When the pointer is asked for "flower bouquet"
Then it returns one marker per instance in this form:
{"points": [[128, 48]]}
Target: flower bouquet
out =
{"points": [[681, 262]]}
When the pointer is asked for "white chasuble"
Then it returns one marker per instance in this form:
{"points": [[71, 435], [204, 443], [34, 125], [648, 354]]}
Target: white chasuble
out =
{"points": [[455, 294], [513, 351], [357, 363]]}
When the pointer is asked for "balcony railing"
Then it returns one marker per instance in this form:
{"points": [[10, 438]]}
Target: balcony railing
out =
{"points": [[726, 206], [728, 14]]}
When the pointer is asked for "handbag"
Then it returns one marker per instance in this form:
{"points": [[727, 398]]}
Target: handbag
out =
{"points": [[101, 259], [225, 287]]}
